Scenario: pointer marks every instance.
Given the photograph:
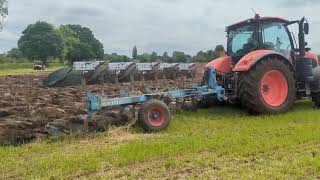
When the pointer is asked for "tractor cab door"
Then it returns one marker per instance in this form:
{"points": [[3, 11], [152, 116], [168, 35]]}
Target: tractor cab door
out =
{"points": [[275, 36]]}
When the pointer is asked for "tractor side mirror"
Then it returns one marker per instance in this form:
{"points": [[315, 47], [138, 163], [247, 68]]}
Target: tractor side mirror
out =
{"points": [[306, 28]]}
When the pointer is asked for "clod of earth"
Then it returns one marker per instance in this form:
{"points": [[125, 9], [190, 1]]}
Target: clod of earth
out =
{"points": [[4, 114]]}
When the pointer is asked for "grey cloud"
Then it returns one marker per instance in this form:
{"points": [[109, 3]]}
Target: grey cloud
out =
{"points": [[84, 11], [298, 3], [157, 25]]}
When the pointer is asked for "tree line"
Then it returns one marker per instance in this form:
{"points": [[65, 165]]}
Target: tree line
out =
{"points": [[70, 43], [177, 56]]}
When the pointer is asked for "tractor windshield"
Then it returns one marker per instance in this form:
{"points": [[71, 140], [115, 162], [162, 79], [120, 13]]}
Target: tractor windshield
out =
{"points": [[276, 37], [242, 41]]}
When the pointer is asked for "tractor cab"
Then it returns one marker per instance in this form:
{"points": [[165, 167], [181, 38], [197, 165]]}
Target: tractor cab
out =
{"points": [[259, 33]]}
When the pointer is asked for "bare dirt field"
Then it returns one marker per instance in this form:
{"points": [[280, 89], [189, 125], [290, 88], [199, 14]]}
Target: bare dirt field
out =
{"points": [[28, 108]]}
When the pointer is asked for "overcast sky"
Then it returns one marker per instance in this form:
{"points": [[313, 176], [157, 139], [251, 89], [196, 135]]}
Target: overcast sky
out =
{"points": [[154, 25]]}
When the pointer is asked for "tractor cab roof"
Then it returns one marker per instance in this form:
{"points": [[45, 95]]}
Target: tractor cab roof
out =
{"points": [[255, 19]]}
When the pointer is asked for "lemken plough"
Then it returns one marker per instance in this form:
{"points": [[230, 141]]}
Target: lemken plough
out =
{"points": [[152, 105]]}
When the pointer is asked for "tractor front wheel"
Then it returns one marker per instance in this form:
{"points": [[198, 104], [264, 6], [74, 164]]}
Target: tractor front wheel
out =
{"points": [[268, 88], [154, 115]]}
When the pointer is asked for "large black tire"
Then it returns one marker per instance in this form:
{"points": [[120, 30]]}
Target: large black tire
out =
{"points": [[250, 84], [162, 116]]}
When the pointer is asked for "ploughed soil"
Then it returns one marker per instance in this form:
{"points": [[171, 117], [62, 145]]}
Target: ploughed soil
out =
{"points": [[30, 111]]}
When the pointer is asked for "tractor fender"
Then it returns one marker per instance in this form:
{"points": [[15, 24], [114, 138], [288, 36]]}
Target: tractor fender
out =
{"points": [[221, 65], [254, 57]]}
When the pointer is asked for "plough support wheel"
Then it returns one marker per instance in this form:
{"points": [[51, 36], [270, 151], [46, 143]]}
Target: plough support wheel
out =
{"points": [[154, 116]]}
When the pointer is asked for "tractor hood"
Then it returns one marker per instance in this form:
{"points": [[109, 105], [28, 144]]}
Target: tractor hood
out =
{"points": [[222, 65]]}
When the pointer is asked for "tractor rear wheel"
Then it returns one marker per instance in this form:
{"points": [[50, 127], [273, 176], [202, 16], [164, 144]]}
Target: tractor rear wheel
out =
{"points": [[267, 88], [154, 115]]}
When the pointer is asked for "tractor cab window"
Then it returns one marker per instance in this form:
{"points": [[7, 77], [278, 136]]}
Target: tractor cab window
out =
{"points": [[275, 37], [242, 41]]}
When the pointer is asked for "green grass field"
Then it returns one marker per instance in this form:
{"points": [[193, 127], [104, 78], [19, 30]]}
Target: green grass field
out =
{"points": [[25, 69], [12, 67], [220, 142]]}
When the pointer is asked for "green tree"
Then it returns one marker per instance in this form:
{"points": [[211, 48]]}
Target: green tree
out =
{"points": [[81, 52], [78, 38], [200, 57], [145, 57], [15, 53], [114, 57], [154, 57], [40, 41], [211, 55], [125, 58], [178, 56], [3, 12], [70, 39], [134, 52], [3, 8], [219, 48], [189, 58], [166, 58]]}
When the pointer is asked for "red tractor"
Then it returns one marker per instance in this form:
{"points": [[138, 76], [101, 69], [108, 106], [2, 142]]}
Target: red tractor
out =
{"points": [[265, 70]]}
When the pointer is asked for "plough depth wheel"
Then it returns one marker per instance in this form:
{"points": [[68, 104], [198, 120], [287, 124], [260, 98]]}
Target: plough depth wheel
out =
{"points": [[154, 115]]}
